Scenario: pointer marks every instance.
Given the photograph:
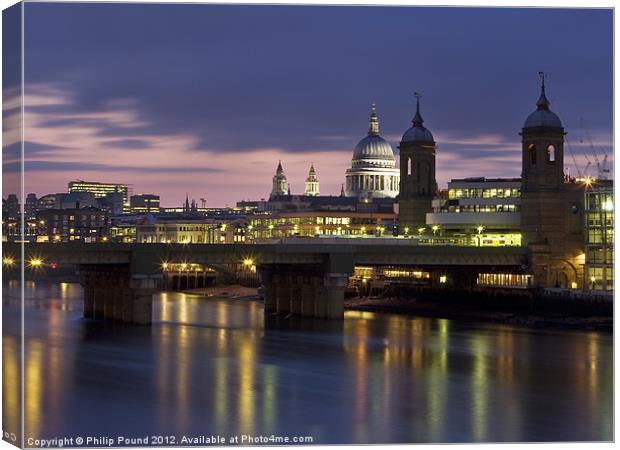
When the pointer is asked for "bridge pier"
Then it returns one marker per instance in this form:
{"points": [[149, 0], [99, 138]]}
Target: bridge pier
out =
{"points": [[307, 294], [119, 295], [335, 285], [296, 283], [283, 294], [89, 301], [99, 302]]}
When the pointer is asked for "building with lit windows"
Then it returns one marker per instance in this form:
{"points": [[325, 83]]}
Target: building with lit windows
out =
{"points": [[101, 190], [188, 230], [483, 211], [144, 203], [65, 225], [599, 261], [320, 223]]}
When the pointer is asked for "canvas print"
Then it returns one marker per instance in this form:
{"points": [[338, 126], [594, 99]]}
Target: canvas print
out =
{"points": [[228, 224]]}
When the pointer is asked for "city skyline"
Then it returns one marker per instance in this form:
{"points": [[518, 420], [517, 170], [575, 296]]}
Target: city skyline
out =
{"points": [[192, 107]]}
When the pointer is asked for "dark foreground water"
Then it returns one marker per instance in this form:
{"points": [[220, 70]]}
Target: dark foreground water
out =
{"points": [[218, 367]]}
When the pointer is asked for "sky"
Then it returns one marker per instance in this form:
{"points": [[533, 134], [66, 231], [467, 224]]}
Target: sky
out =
{"points": [[204, 100]]}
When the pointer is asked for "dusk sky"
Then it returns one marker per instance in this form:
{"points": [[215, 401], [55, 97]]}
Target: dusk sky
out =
{"points": [[205, 99]]}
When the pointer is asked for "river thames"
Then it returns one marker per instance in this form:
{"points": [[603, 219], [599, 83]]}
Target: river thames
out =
{"points": [[217, 367]]}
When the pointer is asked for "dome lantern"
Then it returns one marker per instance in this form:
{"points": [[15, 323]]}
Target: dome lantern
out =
{"points": [[543, 116], [418, 133]]}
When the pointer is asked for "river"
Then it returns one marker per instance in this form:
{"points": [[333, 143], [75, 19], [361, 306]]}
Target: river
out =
{"points": [[218, 367]]}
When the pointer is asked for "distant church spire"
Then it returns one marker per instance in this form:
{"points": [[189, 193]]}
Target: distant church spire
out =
{"points": [[543, 103], [279, 182], [373, 123], [342, 194], [417, 120], [312, 182]]}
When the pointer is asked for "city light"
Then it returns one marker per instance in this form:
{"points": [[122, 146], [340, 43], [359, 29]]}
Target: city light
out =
{"points": [[164, 265], [248, 262], [435, 228], [8, 261], [443, 279], [479, 229], [421, 230], [35, 262]]}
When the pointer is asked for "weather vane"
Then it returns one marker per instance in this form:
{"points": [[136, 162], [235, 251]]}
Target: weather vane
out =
{"points": [[542, 76]]}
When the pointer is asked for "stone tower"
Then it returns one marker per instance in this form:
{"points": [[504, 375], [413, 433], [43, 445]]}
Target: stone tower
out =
{"points": [[542, 176], [312, 183], [418, 185], [280, 184], [552, 207]]}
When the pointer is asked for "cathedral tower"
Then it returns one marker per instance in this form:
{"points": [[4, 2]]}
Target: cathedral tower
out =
{"points": [[280, 184], [418, 184], [312, 183]]}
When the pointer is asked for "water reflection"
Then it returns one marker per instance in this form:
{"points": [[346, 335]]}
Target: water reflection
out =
{"points": [[220, 367]]}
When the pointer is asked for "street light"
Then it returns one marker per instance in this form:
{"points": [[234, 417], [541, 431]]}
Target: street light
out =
{"points": [[435, 228], [8, 261], [248, 262], [35, 262]]}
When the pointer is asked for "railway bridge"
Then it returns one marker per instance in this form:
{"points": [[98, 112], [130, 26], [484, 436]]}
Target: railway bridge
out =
{"points": [[306, 278]]}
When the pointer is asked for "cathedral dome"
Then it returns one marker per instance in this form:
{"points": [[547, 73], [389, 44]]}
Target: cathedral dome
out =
{"points": [[543, 116], [373, 172], [417, 132], [373, 149]]}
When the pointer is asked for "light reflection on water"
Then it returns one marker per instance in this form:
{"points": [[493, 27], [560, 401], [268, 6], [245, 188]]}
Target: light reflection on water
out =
{"points": [[219, 366]]}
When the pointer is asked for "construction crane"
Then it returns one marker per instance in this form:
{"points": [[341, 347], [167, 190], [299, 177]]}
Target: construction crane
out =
{"points": [[580, 174], [601, 167]]}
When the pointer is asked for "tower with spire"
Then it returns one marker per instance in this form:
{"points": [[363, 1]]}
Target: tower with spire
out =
{"points": [[418, 184], [312, 183], [551, 208], [279, 183]]}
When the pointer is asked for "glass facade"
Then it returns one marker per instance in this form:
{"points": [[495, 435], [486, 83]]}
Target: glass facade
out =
{"points": [[600, 238]]}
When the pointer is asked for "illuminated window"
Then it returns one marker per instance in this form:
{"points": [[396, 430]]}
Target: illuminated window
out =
{"points": [[551, 154], [532, 150], [408, 166]]}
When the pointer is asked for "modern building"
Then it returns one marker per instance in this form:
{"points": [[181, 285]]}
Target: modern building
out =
{"points": [[599, 261], [10, 208], [30, 207], [144, 203], [51, 201], [418, 184], [373, 172], [100, 190], [486, 211], [279, 183], [312, 183], [83, 224]]}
